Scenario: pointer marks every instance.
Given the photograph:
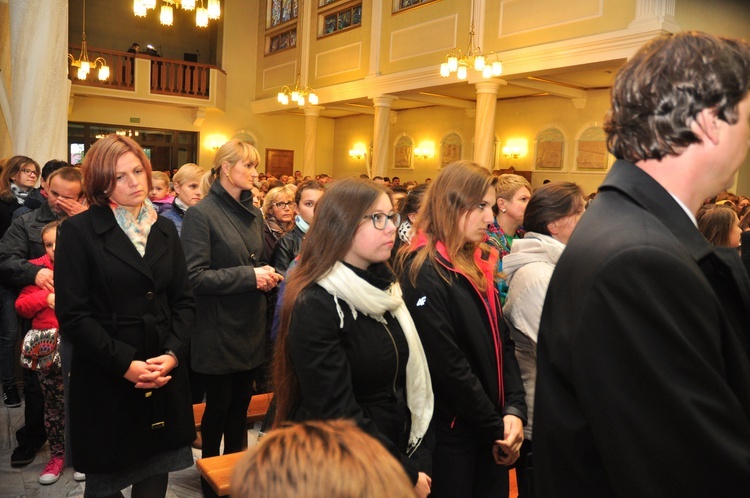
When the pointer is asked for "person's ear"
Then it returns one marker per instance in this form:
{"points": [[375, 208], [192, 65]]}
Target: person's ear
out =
{"points": [[553, 228], [706, 125], [501, 204]]}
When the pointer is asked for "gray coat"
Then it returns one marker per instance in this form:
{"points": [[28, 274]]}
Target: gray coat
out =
{"points": [[22, 242], [223, 242]]}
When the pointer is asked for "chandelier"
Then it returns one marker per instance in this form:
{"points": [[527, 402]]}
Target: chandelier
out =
{"points": [[298, 95], [488, 64], [212, 10], [82, 63]]}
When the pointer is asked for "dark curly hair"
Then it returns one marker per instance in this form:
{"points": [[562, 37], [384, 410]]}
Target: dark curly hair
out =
{"points": [[661, 90]]}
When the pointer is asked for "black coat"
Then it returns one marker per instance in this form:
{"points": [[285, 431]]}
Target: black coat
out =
{"points": [[223, 243], [643, 378], [287, 248], [115, 306], [455, 330], [356, 372]]}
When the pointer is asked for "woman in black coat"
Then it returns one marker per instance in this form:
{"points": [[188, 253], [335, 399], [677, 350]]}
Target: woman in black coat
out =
{"points": [[347, 346], [448, 282], [223, 241], [125, 304]]}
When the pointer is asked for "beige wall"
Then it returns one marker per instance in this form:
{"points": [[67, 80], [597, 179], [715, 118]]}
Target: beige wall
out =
{"points": [[5, 142]]}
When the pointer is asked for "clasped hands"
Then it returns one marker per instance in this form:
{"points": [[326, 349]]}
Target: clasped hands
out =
{"points": [[152, 373], [266, 278], [506, 451]]}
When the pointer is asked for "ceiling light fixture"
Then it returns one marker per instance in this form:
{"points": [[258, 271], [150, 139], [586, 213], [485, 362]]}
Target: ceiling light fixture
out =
{"points": [[166, 13], [82, 63], [298, 95], [488, 64]]}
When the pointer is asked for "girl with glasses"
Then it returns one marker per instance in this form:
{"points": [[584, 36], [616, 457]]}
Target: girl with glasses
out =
{"points": [[347, 346], [448, 275]]}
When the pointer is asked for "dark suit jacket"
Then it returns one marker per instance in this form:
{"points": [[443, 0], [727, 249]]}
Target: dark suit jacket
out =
{"points": [[643, 384], [115, 306], [223, 243]]}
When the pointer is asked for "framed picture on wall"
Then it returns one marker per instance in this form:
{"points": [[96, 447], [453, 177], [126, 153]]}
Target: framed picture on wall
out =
{"points": [[402, 157], [450, 149]]}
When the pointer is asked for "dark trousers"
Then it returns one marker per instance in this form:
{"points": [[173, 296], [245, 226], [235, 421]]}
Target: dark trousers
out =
{"points": [[467, 470], [9, 353], [525, 471], [32, 434], [227, 398]]}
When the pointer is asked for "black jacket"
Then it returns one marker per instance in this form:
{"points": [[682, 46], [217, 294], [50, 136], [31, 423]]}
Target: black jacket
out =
{"points": [[356, 372], [287, 248], [223, 242], [22, 242], [455, 329], [115, 306], [643, 378]]}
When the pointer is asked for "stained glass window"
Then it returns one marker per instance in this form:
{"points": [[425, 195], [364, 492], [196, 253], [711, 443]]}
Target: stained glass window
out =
{"points": [[336, 21], [399, 5], [283, 11]]}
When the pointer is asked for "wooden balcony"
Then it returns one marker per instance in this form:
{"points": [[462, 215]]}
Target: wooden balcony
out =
{"points": [[151, 79]]}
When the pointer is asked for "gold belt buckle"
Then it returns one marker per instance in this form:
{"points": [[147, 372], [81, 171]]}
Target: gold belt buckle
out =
{"points": [[157, 425]]}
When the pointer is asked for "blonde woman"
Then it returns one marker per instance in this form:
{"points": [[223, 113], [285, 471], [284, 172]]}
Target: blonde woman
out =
{"points": [[187, 187], [278, 211]]}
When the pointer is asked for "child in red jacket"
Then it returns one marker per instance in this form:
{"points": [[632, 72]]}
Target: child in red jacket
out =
{"points": [[39, 305]]}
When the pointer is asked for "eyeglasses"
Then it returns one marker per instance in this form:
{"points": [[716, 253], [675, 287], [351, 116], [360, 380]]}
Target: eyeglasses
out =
{"points": [[283, 205], [380, 220], [29, 172]]}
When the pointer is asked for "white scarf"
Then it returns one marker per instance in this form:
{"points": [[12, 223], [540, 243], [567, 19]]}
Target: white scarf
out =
{"points": [[342, 283]]}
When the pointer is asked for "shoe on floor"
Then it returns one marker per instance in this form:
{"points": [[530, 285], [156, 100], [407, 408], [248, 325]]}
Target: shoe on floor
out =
{"points": [[11, 397], [79, 476], [52, 471], [22, 456]]}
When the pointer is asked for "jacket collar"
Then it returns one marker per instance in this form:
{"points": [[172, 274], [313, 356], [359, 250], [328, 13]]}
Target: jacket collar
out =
{"points": [[647, 193], [245, 204], [118, 243]]}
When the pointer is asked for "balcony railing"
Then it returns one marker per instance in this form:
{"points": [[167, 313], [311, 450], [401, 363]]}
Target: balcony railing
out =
{"points": [[168, 77]]}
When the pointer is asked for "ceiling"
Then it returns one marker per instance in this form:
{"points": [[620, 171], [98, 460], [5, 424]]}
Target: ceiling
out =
{"points": [[570, 82]]}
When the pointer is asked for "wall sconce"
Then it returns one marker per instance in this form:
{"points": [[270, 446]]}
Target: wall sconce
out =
{"points": [[426, 150], [215, 141], [358, 152], [510, 152]]}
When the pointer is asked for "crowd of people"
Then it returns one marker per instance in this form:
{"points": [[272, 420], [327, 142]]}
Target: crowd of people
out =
{"points": [[420, 340]]}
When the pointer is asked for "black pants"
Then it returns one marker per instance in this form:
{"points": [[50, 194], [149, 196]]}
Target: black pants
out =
{"points": [[32, 434], [525, 471], [227, 398], [466, 469]]}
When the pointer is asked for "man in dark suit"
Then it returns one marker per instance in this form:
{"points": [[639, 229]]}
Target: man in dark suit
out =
{"points": [[643, 384]]}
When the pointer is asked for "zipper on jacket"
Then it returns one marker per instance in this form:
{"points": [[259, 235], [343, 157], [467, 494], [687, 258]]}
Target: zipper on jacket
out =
{"points": [[395, 375]]}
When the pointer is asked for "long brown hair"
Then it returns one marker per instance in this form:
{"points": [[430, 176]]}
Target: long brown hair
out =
{"points": [[338, 215], [10, 168], [316, 458], [458, 189], [715, 222]]}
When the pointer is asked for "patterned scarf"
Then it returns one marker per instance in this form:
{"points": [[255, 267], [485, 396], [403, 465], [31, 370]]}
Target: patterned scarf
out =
{"points": [[19, 194], [136, 228]]}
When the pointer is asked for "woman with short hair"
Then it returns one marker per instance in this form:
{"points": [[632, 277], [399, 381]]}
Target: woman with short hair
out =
{"points": [[278, 211], [187, 187], [125, 304]]}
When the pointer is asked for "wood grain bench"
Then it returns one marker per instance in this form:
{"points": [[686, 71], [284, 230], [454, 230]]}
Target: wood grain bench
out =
{"points": [[217, 471], [256, 410]]}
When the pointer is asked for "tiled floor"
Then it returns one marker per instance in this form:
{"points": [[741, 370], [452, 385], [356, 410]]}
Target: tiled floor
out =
{"points": [[24, 482]]}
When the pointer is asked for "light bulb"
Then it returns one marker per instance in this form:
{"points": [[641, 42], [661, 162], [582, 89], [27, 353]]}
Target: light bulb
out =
{"points": [[479, 62], [139, 9], [452, 63], [313, 97], [104, 73], [201, 17], [487, 72], [167, 15], [188, 4], [462, 72], [497, 68], [444, 71], [85, 67]]}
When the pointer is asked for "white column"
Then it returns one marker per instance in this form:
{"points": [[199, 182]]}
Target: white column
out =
{"points": [[39, 86], [484, 123], [380, 140], [655, 15], [311, 140]]}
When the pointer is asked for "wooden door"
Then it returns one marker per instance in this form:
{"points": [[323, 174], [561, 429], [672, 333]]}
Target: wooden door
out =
{"points": [[279, 162]]}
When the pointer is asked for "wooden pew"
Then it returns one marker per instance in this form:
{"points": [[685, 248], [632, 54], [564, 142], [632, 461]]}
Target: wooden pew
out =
{"points": [[217, 471], [256, 410]]}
